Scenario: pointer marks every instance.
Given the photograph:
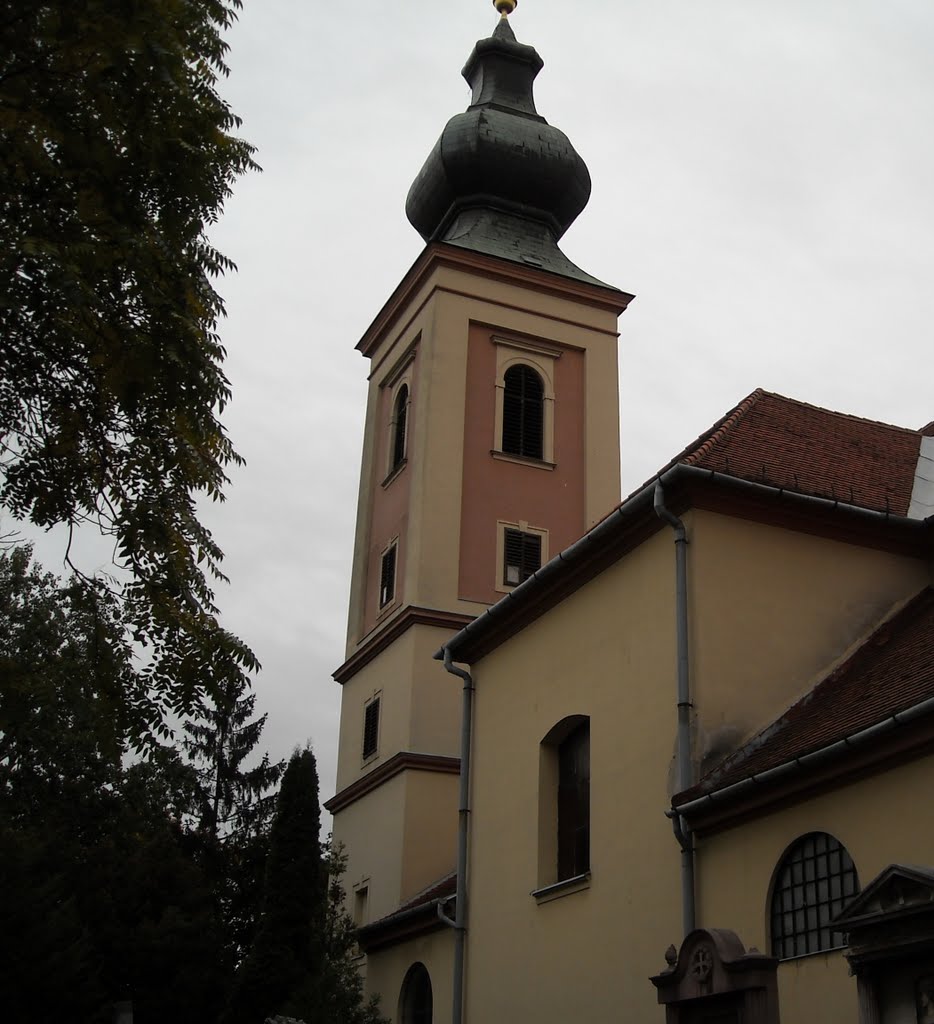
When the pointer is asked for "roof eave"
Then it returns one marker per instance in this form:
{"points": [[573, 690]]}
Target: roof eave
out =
{"points": [[605, 543]]}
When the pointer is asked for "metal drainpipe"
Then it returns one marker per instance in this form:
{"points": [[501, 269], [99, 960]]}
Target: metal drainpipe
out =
{"points": [[685, 764], [463, 819]]}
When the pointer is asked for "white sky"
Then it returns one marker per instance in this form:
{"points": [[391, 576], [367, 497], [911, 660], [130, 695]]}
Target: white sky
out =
{"points": [[763, 181]]}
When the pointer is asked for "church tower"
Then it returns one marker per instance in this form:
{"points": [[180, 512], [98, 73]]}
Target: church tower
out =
{"points": [[491, 443]]}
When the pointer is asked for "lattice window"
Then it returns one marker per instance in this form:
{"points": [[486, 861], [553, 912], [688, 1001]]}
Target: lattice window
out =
{"points": [[522, 556], [523, 412], [815, 880]]}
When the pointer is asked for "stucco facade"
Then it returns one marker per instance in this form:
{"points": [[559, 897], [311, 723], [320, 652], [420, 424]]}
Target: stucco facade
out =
{"points": [[645, 745]]}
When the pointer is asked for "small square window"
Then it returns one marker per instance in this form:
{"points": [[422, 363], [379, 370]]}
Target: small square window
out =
{"points": [[522, 556], [387, 576], [371, 728]]}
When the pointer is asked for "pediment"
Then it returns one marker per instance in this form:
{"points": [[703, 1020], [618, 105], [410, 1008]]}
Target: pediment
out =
{"points": [[897, 891]]}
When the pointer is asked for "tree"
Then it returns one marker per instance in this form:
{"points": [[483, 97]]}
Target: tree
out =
{"points": [[233, 809], [284, 972], [116, 153], [345, 1000], [102, 897]]}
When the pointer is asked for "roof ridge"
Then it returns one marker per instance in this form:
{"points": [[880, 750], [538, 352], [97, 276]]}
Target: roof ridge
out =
{"points": [[843, 415]]}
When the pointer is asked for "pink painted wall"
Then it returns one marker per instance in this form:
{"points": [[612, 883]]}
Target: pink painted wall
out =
{"points": [[497, 490]]}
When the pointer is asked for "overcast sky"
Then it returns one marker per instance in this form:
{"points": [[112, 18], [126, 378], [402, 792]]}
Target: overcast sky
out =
{"points": [[763, 181]]}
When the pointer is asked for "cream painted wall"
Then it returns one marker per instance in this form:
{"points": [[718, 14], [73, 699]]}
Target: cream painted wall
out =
{"points": [[770, 611], [386, 970], [605, 652], [420, 704], [430, 831], [391, 674], [372, 830], [881, 820]]}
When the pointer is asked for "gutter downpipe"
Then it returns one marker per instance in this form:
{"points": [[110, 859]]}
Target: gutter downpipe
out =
{"points": [[463, 819], [685, 766]]}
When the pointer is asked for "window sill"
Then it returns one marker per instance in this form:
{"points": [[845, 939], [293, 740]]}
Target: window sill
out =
{"points": [[805, 956], [522, 460], [393, 473], [563, 888]]}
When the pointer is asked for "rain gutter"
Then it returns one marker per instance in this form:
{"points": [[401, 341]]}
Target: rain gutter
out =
{"points": [[459, 924], [819, 758], [597, 538], [685, 765]]}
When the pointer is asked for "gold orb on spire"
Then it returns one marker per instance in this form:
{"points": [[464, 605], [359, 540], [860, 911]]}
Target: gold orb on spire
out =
{"points": [[505, 7]]}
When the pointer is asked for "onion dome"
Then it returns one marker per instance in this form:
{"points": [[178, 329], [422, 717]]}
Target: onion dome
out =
{"points": [[501, 180]]}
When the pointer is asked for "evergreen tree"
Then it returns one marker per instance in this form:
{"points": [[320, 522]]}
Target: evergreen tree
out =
{"points": [[233, 808], [102, 901], [284, 972]]}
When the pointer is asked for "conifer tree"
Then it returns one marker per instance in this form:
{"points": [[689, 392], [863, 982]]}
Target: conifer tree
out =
{"points": [[232, 808], [284, 972]]}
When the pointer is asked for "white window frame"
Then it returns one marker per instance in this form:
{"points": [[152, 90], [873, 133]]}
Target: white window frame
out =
{"points": [[541, 358]]}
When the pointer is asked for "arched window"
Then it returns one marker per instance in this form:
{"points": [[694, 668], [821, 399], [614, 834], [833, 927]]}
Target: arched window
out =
{"points": [[415, 999], [813, 882], [564, 802], [574, 803], [400, 412], [523, 412]]}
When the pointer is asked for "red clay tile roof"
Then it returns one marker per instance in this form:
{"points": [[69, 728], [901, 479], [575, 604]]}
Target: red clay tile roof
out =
{"points": [[893, 670], [444, 887], [771, 439]]}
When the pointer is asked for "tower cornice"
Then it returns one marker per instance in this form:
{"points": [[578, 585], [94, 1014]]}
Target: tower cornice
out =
{"points": [[439, 255]]}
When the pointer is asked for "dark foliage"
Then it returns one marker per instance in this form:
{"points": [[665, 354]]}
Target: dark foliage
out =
{"points": [[284, 971], [115, 155]]}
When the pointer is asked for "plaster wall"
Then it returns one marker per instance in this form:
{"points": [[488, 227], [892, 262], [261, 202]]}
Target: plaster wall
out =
{"points": [[386, 970], [770, 611], [399, 838], [604, 652], [422, 505], [430, 830], [372, 831], [390, 674], [881, 820], [547, 496]]}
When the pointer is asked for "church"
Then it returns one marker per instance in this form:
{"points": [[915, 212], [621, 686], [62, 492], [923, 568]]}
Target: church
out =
{"points": [[664, 757]]}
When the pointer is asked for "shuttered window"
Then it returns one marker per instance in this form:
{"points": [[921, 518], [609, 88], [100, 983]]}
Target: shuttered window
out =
{"points": [[387, 577], [523, 412], [522, 556], [399, 421], [371, 728]]}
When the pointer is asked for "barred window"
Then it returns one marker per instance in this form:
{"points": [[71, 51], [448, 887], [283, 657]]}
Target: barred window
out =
{"points": [[387, 576], [522, 556], [371, 728], [814, 881], [523, 412]]}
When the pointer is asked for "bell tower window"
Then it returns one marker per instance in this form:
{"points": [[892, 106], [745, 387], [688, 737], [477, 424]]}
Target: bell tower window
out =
{"points": [[400, 412], [523, 412], [387, 576], [525, 400], [521, 550]]}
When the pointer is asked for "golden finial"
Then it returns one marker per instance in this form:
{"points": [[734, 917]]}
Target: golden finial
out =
{"points": [[505, 7]]}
